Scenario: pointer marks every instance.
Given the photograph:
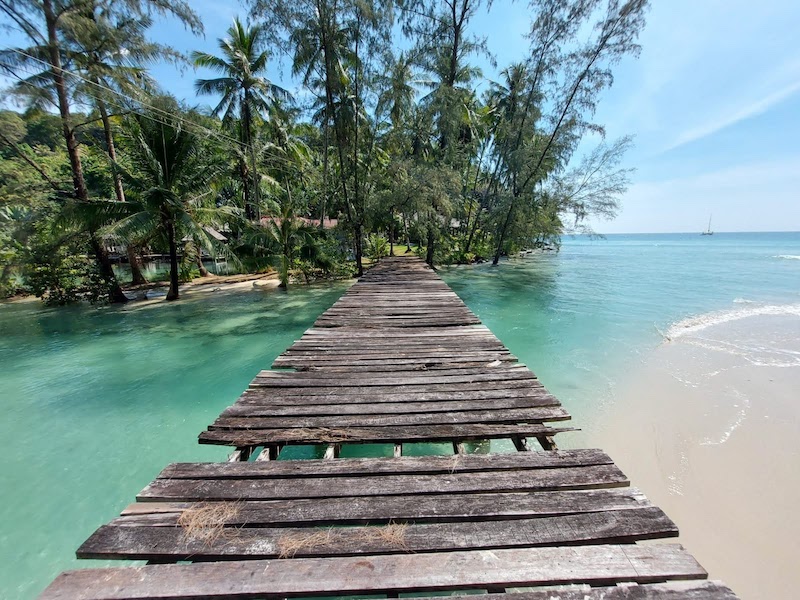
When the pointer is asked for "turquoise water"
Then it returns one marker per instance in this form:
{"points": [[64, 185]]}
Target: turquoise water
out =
{"points": [[97, 401], [582, 318]]}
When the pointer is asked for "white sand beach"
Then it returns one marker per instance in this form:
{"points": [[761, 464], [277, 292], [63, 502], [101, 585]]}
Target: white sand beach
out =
{"points": [[709, 429]]}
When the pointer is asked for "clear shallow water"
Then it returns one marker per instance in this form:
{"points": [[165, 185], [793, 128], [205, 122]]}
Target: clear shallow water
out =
{"points": [[97, 401]]}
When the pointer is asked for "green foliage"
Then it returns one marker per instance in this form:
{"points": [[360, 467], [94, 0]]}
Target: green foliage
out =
{"points": [[377, 246], [398, 147], [188, 271], [59, 277]]}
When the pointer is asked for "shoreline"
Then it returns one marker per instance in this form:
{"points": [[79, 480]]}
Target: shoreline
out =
{"points": [[707, 427]]}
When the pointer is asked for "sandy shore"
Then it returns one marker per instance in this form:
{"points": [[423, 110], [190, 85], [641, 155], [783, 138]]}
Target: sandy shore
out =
{"points": [[709, 429], [155, 293]]}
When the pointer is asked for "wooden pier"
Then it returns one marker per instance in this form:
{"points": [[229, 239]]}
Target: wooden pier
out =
{"points": [[398, 360]]}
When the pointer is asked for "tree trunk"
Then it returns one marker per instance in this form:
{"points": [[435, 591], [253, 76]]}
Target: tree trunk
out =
{"points": [[359, 249], [199, 260], [502, 237], [431, 241], [172, 294], [284, 274], [137, 277], [325, 135], [135, 262], [112, 151], [244, 172], [115, 293], [78, 182], [473, 229]]}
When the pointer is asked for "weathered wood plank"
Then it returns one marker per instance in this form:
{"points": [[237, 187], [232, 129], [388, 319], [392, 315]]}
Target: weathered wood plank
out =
{"points": [[460, 331], [248, 420], [354, 388], [158, 543], [411, 465], [537, 395], [274, 579], [384, 509], [684, 590], [394, 369], [509, 370], [375, 435], [572, 478], [266, 408]]}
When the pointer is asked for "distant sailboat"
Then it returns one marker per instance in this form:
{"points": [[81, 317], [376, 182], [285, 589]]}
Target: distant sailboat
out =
{"points": [[708, 231]]}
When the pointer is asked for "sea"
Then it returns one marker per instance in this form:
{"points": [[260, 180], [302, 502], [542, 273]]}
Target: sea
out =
{"points": [[96, 401]]}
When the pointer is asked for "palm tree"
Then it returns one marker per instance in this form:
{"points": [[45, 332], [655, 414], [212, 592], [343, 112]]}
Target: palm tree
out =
{"points": [[48, 26], [246, 93], [170, 180], [109, 50]]}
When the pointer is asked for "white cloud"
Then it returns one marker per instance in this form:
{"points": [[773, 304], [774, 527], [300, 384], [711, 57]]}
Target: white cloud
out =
{"points": [[735, 114], [705, 66]]}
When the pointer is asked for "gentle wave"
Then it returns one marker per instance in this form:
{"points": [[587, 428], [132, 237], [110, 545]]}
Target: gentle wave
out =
{"points": [[788, 256], [698, 323]]}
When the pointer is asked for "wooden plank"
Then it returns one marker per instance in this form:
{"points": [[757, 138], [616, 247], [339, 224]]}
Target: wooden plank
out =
{"points": [[375, 435], [383, 509], [536, 395], [410, 465], [684, 590], [400, 322], [353, 388], [509, 370], [455, 359], [175, 543], [572, 478], [266, 408], [249, 420], [466, 330], [397, 352], [394, 369], [420, 376], [274, 579]]}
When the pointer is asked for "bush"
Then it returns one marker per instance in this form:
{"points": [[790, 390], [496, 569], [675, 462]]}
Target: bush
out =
{"points": [[377, 246], [61, 278]]}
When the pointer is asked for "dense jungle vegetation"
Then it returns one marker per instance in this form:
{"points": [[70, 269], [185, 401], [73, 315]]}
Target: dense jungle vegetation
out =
{"points": [[396, 141]]}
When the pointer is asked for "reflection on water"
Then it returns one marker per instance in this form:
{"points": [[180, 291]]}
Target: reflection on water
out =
{"points": [[158, 270]]}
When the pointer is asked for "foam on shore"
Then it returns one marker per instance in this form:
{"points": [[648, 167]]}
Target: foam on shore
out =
{"points": [[696, 324]]}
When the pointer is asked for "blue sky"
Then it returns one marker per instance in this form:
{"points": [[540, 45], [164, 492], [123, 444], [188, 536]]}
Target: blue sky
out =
{"points": [[713, 102]]}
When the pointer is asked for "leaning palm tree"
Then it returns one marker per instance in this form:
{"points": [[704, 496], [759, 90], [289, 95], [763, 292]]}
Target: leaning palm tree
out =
{"points": [[171, 197], [247, 95]]}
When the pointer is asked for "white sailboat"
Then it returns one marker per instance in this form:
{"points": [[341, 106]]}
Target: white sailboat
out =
{"points": [[708, 231]]}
